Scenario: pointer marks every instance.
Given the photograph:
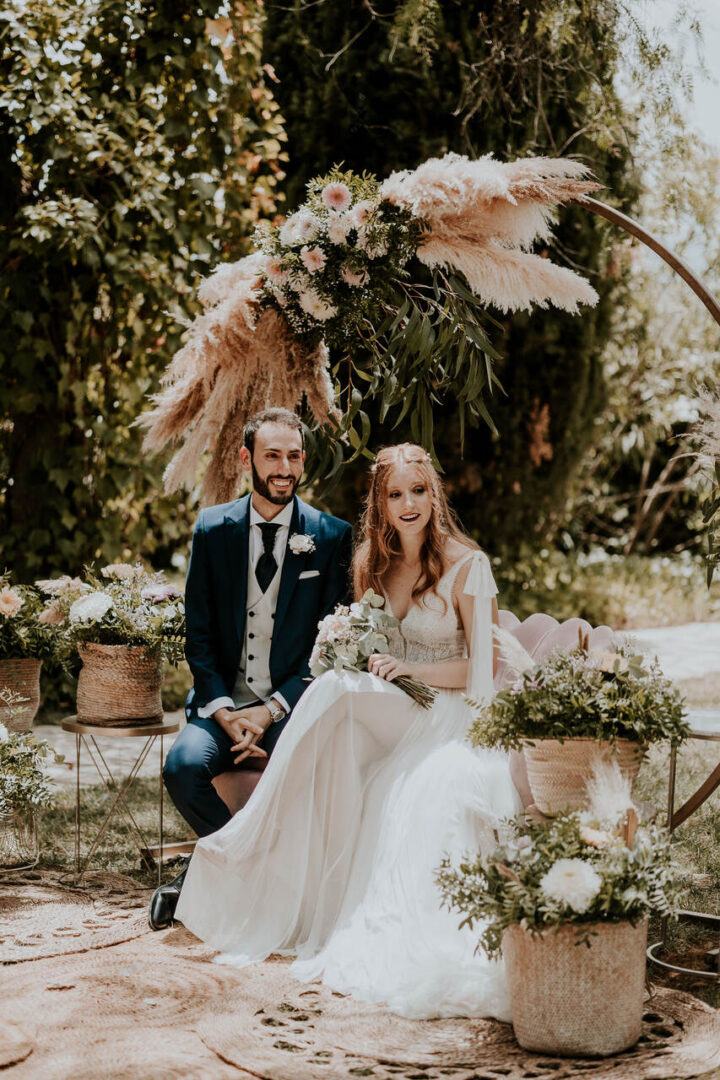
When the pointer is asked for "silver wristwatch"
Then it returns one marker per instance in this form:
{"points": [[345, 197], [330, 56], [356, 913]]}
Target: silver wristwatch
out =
{"points": [[275, 709]]}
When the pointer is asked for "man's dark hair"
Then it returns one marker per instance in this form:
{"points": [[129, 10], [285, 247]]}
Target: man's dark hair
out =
{"points": [[271, 416]]}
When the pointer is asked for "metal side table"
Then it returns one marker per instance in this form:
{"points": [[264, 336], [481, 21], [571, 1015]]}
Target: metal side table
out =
{"points": [[711, 733], [87, 735]]}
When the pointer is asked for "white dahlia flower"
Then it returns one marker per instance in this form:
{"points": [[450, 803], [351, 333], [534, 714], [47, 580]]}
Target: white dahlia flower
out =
{"points": [[572, 882], [90, 608]]}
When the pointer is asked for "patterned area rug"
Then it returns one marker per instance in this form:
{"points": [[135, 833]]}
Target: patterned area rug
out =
{"points": [[41, 916], [153, 1006]]}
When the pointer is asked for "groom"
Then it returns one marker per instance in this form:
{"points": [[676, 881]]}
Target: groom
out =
{"points": [[263, 571]]}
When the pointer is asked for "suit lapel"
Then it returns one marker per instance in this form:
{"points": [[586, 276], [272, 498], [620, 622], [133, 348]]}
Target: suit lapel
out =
{"points": [[292, 565], [238, 541]]}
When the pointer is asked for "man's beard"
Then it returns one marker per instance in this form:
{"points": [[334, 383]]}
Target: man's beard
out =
{"points": [[261, 487]]}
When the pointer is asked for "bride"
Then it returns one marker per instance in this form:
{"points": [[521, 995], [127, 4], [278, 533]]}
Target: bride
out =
{"points": [[332, 860]]}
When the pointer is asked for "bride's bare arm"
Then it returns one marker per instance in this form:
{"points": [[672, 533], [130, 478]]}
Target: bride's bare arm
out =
{"points": [[448, 674]]}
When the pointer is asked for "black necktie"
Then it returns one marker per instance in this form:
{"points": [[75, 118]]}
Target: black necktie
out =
{"points": [[267, 564]]}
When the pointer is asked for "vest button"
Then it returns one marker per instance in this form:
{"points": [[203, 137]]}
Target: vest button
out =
{"points": [[251, 657], [251, 635], [249, 678], [251, 614]]}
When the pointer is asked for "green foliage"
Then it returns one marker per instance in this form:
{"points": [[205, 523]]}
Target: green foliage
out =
{"points": [[140, 144], [579, 695], [620, 591], [22, 634], [385, 86], [24, 786], [515, 885]]}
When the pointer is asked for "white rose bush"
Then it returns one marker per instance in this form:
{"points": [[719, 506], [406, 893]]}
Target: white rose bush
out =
{"points": [[349, 636]]}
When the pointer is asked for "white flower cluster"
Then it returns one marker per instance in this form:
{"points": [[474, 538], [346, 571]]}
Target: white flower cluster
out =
{"points": [[572, 882], [330, 227], [90, 608]]}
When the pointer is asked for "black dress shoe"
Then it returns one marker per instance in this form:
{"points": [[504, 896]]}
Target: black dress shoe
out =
{"points": [[164, 901]]}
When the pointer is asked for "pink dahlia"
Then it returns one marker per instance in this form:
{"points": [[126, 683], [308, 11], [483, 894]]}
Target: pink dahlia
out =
{"points": [[351, 278], [274, 270], [361, 212], [313, 258], [336, 196], [10, 602]]}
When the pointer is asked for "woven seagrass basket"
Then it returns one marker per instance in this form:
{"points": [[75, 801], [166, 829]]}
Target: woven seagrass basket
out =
{"points": [[22, 677], [558, 772], [118, 685], [569, 998]]}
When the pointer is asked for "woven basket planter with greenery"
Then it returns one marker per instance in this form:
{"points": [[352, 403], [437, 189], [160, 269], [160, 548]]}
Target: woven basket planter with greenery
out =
{"points": [[22, 679], [573, 708], [124, 622], [558, 772], [565, 901], [577, 989], [118, 684]]}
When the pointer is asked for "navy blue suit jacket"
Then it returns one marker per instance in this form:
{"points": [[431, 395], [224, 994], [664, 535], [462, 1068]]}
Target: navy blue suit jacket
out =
{"points": [[216, 598]]}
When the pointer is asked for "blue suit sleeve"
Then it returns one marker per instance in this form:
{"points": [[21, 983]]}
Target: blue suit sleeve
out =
{"points": [[200, 646], [337, 591]]}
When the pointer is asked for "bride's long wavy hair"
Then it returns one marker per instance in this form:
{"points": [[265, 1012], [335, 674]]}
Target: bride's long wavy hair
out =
{"points": [[379, 541]]}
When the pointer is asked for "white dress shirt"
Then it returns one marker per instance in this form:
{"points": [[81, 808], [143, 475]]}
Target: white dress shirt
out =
{"points": [[255, 550]]}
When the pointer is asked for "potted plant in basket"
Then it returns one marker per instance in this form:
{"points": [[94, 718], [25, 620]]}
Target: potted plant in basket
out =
{"points": [[25, 641], [24, 788], [566, 901], [123, 622], [574, 707]]}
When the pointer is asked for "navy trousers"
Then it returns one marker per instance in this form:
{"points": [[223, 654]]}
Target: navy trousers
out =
{"points": [[200, 753]]}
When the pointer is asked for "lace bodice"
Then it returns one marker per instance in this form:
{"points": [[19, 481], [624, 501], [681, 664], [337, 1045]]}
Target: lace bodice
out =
{"points": [[430, 633]]}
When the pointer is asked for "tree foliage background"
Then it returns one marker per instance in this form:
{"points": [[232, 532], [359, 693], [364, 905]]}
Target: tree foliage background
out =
{"points": [[142, 140], [138, 148], [385, 86]]}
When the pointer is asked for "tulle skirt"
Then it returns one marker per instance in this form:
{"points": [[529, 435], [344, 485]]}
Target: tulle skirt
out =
{"points": [[333, 858]]}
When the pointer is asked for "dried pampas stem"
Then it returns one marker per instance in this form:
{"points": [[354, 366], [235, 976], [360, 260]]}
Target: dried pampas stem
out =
{"points": [[237, 360], [516, 657], [609, 791], [483, 215]]}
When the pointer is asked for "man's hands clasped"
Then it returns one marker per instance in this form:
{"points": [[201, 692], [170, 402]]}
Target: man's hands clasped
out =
{"points": [[245, 727]]}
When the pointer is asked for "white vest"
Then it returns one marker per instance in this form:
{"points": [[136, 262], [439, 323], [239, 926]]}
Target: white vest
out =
{"points": [[252, 682]]}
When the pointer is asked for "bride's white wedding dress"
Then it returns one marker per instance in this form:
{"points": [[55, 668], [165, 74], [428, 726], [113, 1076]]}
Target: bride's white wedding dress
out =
{"points": [[333, 858]]}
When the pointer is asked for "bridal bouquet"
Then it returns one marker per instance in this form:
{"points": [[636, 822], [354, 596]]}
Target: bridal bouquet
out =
{"points": [[122, 605], [351, 635]]}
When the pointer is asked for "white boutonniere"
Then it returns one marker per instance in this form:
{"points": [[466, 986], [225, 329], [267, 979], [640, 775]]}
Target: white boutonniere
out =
{"points": [[301, 544]]}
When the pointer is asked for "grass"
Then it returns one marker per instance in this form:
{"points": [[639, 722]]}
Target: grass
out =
{"points": [[116, 850]]}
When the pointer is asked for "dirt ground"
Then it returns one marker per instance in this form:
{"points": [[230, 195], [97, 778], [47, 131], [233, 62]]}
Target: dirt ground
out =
{"points": [[87, 991]]}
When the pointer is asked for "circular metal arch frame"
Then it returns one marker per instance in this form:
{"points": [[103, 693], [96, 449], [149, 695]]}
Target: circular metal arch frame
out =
{"points": [[673, 260]]}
